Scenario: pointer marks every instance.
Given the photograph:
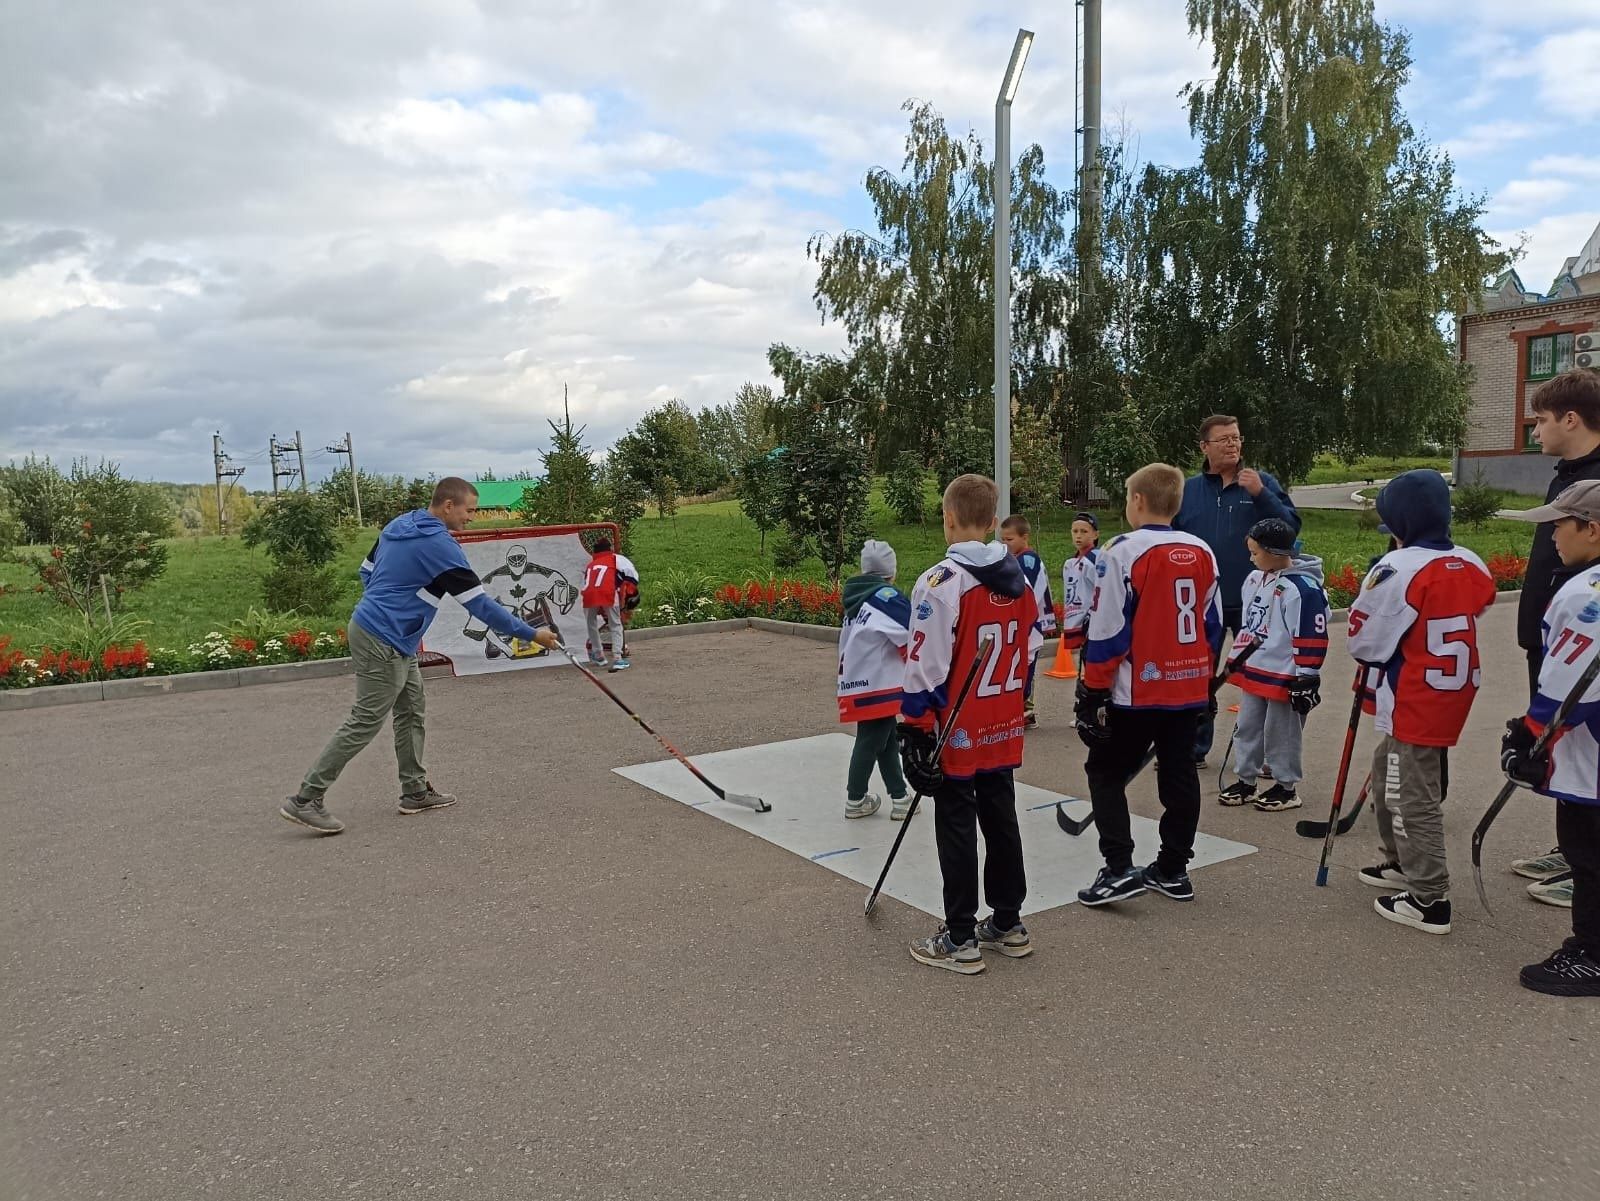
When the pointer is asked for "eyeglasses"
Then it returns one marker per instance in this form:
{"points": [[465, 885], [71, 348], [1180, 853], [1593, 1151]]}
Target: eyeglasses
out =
{"points": [[1230, 440]]}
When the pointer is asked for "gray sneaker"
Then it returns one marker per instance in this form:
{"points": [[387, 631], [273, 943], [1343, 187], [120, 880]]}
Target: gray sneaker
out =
{"points": [[1013, 943], [940, 951], [313, 815], [421, 802]]}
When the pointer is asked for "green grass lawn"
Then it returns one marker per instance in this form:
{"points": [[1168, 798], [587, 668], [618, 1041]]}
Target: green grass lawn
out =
{"points": [[1330, 469], [210, 581]]}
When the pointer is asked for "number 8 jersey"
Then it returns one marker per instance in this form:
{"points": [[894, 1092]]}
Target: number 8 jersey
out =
{"points": [[1155, 624], [1416, 620], [976, 592]]}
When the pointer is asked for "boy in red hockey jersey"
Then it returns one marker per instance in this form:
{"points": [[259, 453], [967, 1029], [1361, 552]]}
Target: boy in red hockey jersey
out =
{"points": [[1416, 621], [601, 602], [1155, 627], [976, 592]]}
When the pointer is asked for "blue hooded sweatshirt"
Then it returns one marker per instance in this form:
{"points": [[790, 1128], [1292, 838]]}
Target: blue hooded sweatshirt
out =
{"points": [[1415, 508], [1221, 516], [411, 568]]}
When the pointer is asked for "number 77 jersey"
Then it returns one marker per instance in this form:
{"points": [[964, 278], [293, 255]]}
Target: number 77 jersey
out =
{"points": [[1416, 620]]}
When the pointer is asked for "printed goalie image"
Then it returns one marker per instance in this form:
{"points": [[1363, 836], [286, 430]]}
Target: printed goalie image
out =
{"points": [[533, 592]]}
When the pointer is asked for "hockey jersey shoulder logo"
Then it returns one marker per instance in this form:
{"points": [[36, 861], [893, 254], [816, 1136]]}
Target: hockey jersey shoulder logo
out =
{"points": [[1378, 575], [887, 593], [940, 574]]}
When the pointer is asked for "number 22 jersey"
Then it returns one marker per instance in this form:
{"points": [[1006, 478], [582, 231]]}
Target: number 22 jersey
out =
{"points": [[1416, 621], [977, 591]]}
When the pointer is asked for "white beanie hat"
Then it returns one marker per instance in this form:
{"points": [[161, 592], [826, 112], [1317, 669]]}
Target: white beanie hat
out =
{"points": [[877, 558]]}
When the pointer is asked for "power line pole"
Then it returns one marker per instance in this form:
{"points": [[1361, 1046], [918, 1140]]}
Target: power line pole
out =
{"points": [[219, 462], [278, 450], [347, 448]]}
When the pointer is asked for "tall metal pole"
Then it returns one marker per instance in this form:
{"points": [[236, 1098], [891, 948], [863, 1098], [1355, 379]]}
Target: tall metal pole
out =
{"points": [[1092, 183], [300, 449], [272, 453], [1002, 267]]}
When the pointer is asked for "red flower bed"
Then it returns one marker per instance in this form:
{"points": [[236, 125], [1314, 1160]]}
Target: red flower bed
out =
{"points": [[783, 600], [1508, 571]]}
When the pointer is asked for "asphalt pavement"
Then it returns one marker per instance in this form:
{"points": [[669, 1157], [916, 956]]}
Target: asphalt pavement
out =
{"points": [[567, 986]]}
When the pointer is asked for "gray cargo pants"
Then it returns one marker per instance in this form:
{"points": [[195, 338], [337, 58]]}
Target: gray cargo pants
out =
{"points": [[386, 682], [1408, 781]]}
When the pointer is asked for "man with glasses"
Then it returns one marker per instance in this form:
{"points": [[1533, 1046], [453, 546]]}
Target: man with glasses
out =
{"points": [[1219, 507]]}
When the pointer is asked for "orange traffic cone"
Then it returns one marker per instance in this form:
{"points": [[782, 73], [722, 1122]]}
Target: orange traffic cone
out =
{"points": [[1066, 667]]}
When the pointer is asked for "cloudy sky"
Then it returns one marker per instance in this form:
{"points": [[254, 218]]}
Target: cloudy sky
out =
{"points": [[420, 221]]}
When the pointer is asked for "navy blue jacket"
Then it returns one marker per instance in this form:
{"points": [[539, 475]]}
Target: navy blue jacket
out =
{"points": [[1221, 517]]}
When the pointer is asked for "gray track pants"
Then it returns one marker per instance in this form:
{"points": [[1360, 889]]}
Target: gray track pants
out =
{"points": [[1267, 731], [592, 619], [1409, 781]]}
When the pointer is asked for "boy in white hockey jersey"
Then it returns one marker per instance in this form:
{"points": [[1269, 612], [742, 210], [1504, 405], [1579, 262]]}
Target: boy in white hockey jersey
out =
{"points": [[1015, 532], [1416, 621], [1285, 612], [872, 650], [1077, 583], [1568, 769]]}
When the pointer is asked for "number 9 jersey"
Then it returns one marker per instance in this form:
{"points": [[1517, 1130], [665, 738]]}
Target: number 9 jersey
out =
{"points": [[1416, 621], [976, 592]]}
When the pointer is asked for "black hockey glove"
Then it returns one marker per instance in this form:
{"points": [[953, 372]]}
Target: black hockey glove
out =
{"points": [[1303, 693], [1092, 708], [1517, 759], [919, 759]]}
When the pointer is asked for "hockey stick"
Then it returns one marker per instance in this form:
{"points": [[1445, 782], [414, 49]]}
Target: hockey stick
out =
{"points": [[1551, 730], [1343, 776], [1230, 666], [1314, 829], [734, 798], [938, 750]]}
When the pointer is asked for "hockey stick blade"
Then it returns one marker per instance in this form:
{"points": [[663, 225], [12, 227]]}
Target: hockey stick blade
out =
{"points": [[1073, 828], [749, 802], [1316, 829]]}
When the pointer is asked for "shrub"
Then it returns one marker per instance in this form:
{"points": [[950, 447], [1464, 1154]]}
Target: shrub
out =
{"points": [[108, 545], [1475, 504], [904, 489], [685, 597], [295, 585], [788, 552], [296, 524]]}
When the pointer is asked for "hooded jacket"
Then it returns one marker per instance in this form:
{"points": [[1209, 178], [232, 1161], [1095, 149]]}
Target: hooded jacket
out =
{"points": [[1416, 616], [976, 592], [412, 567], [872, 648], [1287, 612], [1221, 516]]}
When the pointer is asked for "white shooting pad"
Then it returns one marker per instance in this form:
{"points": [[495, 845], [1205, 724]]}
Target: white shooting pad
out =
{"points": [[804, 782]]}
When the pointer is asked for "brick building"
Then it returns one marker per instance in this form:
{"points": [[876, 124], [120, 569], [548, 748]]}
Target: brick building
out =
{"points": [[1514, 343]]}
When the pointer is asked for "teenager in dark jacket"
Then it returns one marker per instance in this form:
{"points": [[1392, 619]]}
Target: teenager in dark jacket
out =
{"points": [[1566, 414], [1220, 505]]}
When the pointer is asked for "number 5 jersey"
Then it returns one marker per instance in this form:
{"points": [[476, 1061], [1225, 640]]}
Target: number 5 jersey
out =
{"points": [[976, 591], [1416, 621]]}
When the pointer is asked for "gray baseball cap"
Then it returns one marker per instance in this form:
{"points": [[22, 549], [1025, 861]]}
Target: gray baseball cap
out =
{"points": [[1581, 500]]}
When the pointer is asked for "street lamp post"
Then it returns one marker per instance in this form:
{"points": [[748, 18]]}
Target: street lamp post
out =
{"points": [[1002, 266]]}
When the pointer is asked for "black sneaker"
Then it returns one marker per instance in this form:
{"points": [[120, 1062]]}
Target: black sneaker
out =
{"points": [[313, 815], [421, 802], [1277, 798], [1382, 875], [1408, 911], [1237, 793], [1110, 887], [1567, 973], [1176, 885]]}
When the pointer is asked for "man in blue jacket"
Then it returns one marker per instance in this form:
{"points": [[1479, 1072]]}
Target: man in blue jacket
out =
{"points": [[1219, 507], [412, 567]]}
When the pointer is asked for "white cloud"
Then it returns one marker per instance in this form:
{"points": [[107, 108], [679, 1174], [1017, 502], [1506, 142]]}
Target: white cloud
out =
{"points": [[1550, 240], [1530, 195], [1488, 137]]}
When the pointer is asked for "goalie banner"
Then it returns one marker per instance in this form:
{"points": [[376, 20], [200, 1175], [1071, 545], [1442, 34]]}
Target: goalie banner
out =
{"points": [[537, 573]]}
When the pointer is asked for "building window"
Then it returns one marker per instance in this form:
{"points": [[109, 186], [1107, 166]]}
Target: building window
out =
{"points": [[1530, 443], [1550, 355]]}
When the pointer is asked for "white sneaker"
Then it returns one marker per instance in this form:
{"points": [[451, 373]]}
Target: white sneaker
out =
{"points": [[865, 807], [900, 808], [1541, 867], [1555, 891]]}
